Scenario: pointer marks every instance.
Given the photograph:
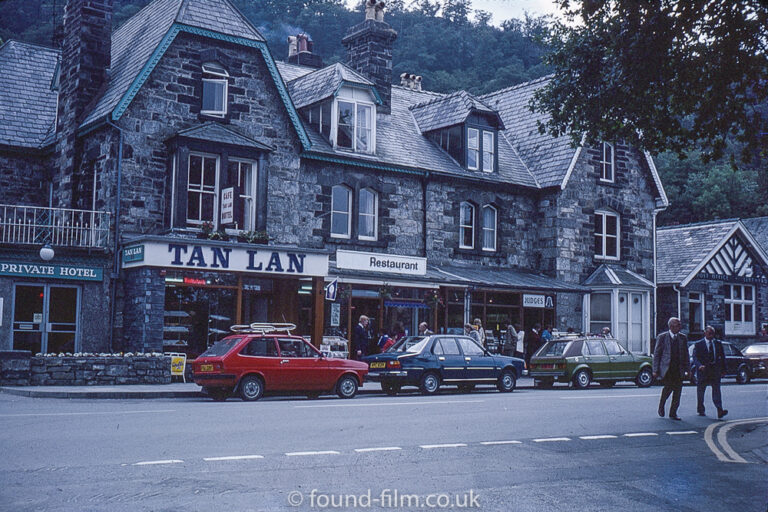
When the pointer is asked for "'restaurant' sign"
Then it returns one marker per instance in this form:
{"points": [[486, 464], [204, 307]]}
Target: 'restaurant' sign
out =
{"points": [[73, 272], [375, 262], [237, 259]]}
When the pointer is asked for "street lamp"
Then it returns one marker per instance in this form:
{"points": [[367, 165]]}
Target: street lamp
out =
{"points": [[46, 252]]}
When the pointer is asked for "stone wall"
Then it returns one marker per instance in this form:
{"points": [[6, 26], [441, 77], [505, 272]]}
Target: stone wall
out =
{"points": [[142, 309], [14, 367], [100, 370], [24, 179]]}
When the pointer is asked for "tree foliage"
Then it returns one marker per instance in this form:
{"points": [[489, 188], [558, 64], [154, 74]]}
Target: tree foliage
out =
{"points": [[662, 74]]}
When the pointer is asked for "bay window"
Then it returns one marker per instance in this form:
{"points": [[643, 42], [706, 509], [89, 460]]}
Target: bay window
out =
{"points": [[243, 173], [202, 188]]}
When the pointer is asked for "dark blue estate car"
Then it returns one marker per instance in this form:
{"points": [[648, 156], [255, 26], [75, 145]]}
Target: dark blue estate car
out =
{"points": [[431, 361]]}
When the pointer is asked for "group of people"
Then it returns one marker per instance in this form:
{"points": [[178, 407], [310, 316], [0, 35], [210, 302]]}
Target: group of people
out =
{"points": [[671, 365], [363, 344]]}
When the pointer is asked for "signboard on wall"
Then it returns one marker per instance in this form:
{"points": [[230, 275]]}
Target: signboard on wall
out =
{"points": [[335, 314], [739, 328], [377, 262], [228, 206], [185, 254], [134, 253], [537, 301], [47, 271]]}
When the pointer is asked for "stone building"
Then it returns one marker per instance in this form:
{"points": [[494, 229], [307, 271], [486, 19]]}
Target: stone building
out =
{"points": [[237, 188], [715, 273]]}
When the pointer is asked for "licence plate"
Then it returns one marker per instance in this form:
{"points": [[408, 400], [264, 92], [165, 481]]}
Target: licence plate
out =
{"points": [[546, 366], [379, 365], [206, 367]]}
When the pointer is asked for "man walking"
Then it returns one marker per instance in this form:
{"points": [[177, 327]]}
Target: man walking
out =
{"points": [[361, 338], [709, 361], [670, 362]]}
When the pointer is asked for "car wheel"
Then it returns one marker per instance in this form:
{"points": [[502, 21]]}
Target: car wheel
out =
{"points": [[251, 388], [217, 394], [582, 379], [742, 375], [346, 387], [644, 378], [507, 382], [544, 383], [430, 383], [390, 389], [607, 383], [466, 388]]}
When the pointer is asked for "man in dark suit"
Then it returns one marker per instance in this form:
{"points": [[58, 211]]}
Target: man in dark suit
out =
{"points": [[670, 364], [360, 338], [709, 361]]}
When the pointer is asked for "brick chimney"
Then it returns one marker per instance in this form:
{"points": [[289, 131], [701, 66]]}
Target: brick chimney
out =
{"points": [[369, 50], [300, 51], [85, 60]]}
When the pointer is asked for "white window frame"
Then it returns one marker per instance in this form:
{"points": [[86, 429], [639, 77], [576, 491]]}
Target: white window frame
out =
{"points": [[252, 196], [741, 327], [608, 164], [605, 214], [492, 229], [475, 150], [374, 214], [201, 191], [335, 124], [463, 227], [698, 299], [491, 151], [348, 213], [218, 71]]}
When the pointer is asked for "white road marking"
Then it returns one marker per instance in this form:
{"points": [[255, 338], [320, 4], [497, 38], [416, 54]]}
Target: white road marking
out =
{"points": [[154, 462], [681, 432], [730, 454], [589, 438], [450, 445], [85, 413], [588, 397], [490, 443], [381, 449], [641, 434], [299, 454], [434, 402], [551, 439], [233, 457]]}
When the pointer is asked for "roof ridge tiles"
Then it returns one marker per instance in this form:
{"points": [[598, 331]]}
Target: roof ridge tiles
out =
{"points": [[703, 223], [435, 100], [518, 86], [33, 45]]}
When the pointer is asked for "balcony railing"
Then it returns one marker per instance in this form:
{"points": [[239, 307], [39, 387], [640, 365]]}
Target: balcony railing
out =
{"points": [[62, 227]]}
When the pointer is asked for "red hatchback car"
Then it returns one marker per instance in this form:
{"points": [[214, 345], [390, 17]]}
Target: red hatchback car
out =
{"points": [[266, 357]]}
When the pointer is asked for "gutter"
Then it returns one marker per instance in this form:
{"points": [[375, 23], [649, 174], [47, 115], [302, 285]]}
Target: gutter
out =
{"points": [[116, 260]]}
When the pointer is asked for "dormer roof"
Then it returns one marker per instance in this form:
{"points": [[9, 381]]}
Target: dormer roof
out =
{"points": [[325, 83], [450, 110]]}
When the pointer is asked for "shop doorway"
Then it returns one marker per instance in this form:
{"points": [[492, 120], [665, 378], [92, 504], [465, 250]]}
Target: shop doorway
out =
{"points": [[45, 318]]}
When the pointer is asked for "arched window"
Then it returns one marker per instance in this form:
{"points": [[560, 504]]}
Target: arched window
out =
{"points": [[607, 235], [341, 212], [489, 228], [367, 215], [215, 87], [467, 226]]}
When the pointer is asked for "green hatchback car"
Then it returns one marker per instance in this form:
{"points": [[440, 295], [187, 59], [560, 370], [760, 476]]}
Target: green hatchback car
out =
{"points": [[582, 360]]}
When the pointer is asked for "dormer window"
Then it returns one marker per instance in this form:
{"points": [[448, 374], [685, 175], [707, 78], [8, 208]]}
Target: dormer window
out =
{"points": [[489, 150], [215, 88], [320, 118], [481, 142], [354, 127], [473, 148]]}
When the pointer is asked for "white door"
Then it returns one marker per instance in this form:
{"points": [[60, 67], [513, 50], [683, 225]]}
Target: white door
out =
{"points": [[637, 317]]}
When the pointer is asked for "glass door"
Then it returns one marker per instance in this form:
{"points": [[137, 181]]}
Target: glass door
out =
{"points": [[45, 318], [61, 325], [28, 326]]}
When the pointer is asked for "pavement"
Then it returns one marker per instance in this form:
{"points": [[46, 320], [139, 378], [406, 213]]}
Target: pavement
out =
{"points": [[173, 390]]}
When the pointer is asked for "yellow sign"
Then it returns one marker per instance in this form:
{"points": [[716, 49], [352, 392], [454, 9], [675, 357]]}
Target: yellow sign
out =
{"points": [[178, 363]]}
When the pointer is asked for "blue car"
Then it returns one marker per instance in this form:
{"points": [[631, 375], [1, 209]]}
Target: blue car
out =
{"points": [[432, 361]]}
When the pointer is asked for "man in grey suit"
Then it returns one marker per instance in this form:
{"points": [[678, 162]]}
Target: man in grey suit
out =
{"points": [[670, 363]]}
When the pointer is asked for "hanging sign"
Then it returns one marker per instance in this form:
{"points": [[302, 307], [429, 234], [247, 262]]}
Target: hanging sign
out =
{"points": [[228, 206], [330, 290]]}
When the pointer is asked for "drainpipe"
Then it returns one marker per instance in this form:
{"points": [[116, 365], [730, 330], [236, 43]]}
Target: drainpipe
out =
{"points": [[674, 287], [116, 261], [655, 297]]}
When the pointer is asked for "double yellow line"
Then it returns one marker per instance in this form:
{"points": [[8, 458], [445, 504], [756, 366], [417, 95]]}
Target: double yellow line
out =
{"points": [[719, 443]]}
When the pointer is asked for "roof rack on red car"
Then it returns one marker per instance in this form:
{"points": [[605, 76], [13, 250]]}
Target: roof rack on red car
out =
{"points": [[262, 328]]}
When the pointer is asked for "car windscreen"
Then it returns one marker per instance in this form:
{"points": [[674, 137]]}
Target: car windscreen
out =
{"points": [[754, 350], [553, 349], [409, 345], [220, 348]]}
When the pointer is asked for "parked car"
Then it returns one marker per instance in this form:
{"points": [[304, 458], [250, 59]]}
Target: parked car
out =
{"points": [[736, 365], [581, 360], [757, 355], [430, 362], [266, 357]]}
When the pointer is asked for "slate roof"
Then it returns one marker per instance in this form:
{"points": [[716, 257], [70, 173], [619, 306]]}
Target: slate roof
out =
{"points": [[323, 83], [758, 226], [448, 110], [680, 249], [613, 275], [135, 41], [216, 132], [548, 157], [27, 99], [292, 71]]}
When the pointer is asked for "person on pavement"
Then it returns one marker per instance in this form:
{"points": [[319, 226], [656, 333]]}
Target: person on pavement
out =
{"points": [[424, 329], [670, 362], [361, 338], [709, 361], [469, 330], [480, 331], [533, 340]]}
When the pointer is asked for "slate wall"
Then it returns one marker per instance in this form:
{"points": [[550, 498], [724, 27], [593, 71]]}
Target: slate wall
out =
{"points": [[94, 370], [24, 179]]}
